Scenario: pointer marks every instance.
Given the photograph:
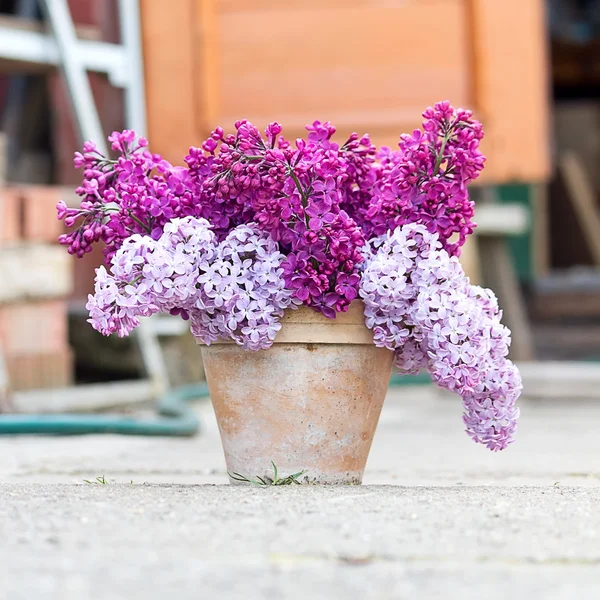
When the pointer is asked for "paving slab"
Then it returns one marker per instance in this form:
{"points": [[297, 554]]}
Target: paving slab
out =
{"points": [[440, 517], [150, 541]]}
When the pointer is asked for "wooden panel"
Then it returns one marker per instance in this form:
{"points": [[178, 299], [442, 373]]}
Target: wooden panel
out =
{"points": [[169, 59], [510, 84], [499, 274], [208, 67], [366, 66], [540, 232], [581, 193]]}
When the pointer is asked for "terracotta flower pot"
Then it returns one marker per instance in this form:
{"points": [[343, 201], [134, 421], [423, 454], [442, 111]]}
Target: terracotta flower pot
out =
{"points": [[309, 403]]}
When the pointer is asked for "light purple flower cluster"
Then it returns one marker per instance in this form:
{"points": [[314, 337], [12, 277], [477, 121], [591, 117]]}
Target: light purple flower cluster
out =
{"points": [[241, 292], [149, 276], [233, 289], [426, 180], [419, 303]]}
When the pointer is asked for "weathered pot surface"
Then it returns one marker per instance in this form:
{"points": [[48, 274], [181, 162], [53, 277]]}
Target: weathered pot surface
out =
{"points": [[309, 403]]}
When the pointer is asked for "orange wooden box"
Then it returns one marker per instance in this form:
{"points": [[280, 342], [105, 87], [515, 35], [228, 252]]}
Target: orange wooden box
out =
{"points": [[365, 65]]}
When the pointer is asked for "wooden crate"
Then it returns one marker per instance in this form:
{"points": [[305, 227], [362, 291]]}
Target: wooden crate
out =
{"points": [[365, 65]]}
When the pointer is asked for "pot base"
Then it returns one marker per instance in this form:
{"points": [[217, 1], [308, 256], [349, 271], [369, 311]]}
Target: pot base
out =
{"points": [[310, 407]]}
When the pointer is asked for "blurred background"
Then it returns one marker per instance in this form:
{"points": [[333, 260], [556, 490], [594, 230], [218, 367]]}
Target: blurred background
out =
{"points": [[529, 69]]}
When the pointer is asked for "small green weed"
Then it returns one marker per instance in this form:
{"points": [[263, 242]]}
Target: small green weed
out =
{"points": [[268, 481], [98, 481]]}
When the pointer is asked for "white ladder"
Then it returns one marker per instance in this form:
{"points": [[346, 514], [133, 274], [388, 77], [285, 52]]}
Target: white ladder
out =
{"points": [[123, 64]]}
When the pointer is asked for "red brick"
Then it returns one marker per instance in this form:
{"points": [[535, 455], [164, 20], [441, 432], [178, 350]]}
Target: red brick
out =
{"points": [[34, 327], [42, 370], [3, 153], [11, 225], [40, 221], [28, 212]]}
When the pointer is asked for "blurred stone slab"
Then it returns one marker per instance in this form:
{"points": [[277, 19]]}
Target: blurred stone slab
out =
{"points": [[562, 380], [35, 271]]}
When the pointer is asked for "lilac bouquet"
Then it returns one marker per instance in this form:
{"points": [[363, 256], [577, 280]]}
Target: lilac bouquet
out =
{"points": [[254, 225]]}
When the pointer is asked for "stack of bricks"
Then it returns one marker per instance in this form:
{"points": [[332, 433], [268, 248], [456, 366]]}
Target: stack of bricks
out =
{"points": [[35, 281]]}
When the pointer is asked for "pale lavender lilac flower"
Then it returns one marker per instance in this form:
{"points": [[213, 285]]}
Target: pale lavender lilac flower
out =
{"points": [[242, 293], [149, 276], [419, 303], [233, 289]]}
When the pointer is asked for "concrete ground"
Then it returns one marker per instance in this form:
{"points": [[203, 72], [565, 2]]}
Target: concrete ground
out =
{"points": [[439, 517]]}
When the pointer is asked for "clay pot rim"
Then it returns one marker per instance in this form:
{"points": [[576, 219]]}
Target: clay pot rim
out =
{"points": [[304, 325]]}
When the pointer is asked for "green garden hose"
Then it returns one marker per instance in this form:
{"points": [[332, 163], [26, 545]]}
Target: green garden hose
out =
{"points": [[422, 378], [175, 418]]}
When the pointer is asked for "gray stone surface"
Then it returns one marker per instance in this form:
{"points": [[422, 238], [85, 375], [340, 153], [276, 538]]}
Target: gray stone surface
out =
{"points": [[456, 522], [152, 541]]}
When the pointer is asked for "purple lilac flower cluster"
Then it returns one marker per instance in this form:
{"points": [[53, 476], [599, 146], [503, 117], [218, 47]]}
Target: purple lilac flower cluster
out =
{"points": [[318, 200], [294, 194], [135, 193], [419, 303], [233, 289], [426, 180]]}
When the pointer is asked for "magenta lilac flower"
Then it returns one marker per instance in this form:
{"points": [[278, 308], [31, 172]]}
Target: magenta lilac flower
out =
{"points": [[135, 193], [295, 194], [426, 180]]}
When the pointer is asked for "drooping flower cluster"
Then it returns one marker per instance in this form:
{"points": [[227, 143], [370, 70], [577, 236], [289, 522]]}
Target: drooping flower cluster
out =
{"points": [[419, 303], [426, 180], [233, 289]]}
